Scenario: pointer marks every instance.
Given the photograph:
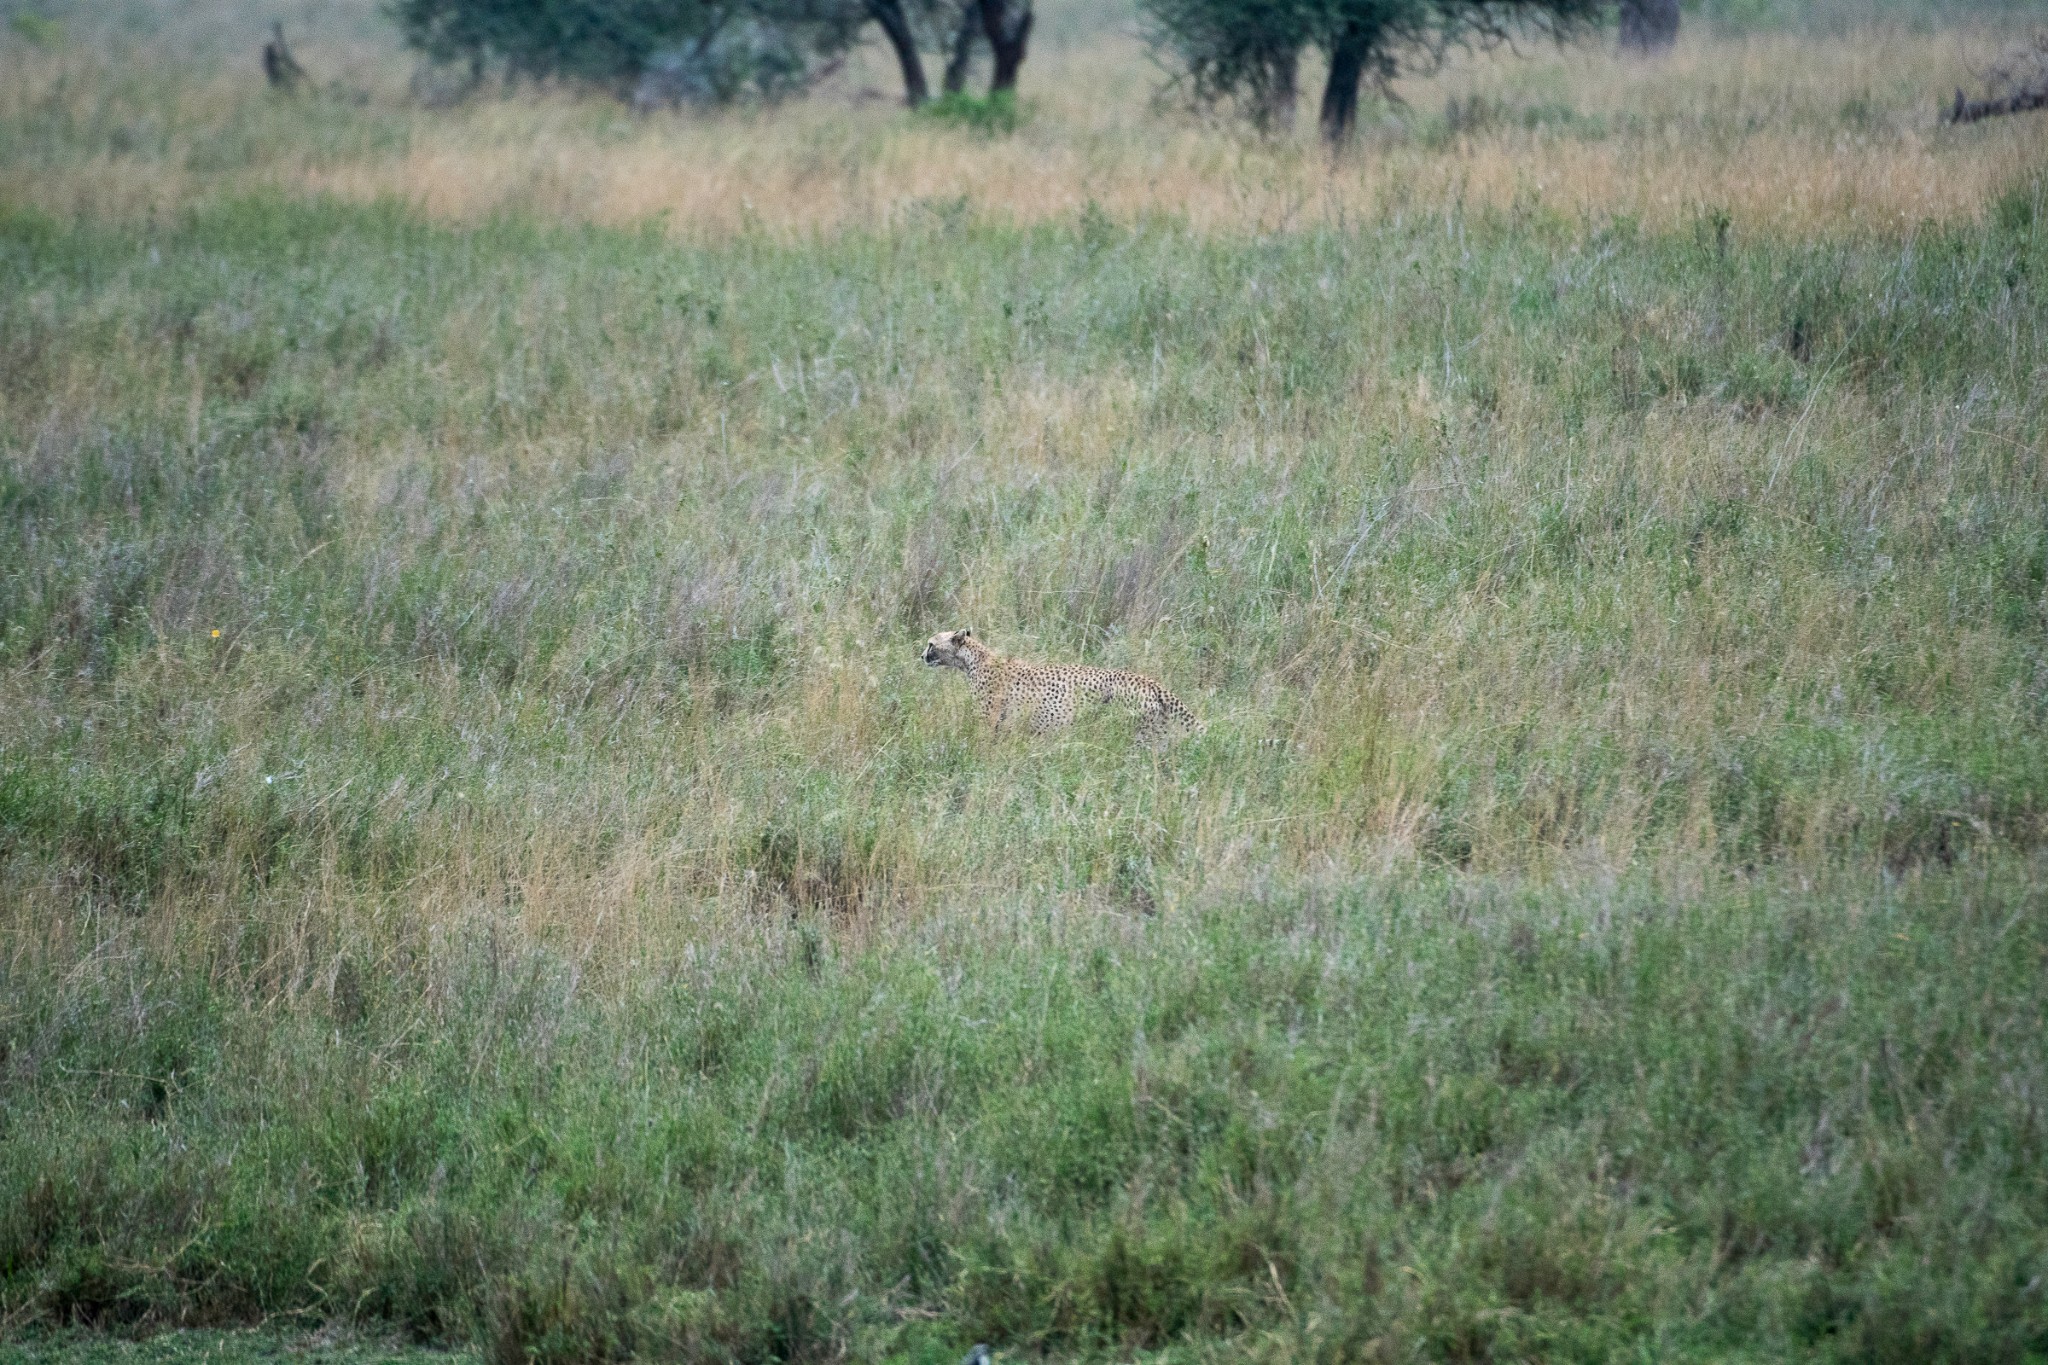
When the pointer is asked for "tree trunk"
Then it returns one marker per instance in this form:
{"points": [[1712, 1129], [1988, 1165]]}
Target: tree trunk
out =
{"points": [[279, 66], [963, 47], [896, 28], [1008, 25], [1340, 90], [1275, 96], [1648, 26]]}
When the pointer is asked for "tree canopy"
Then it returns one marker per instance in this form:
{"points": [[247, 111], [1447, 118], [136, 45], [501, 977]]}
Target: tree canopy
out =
{"points": [[1250, 50], [714, 49]]}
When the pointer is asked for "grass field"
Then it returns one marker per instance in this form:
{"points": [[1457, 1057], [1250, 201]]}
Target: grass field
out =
{"points": [[233, 1347], [482, 866]]}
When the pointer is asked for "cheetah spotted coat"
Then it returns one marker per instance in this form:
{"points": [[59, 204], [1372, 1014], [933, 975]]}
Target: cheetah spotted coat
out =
{"points": [[1047, 695]]}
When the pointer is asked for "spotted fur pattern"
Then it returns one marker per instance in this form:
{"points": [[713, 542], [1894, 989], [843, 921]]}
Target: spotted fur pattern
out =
{"points": [[1046, 696]]}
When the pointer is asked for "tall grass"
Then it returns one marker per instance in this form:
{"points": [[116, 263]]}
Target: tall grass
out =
{"points": [[479, 853], [1794, 134], [1409, 1116]]}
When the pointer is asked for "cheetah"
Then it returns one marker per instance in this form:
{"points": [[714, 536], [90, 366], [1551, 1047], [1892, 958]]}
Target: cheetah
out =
{"points": [[1046, 693]]}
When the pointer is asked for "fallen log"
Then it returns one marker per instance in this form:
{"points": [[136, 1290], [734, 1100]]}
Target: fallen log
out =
{"points": [[1966, 110], [2017, 82]]}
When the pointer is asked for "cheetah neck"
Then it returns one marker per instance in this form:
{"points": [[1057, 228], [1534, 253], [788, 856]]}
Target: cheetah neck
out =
{"points": [[982, 664]]}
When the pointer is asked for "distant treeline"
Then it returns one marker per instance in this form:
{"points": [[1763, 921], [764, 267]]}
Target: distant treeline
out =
{"points": [[712, 51], [1243, 53]]}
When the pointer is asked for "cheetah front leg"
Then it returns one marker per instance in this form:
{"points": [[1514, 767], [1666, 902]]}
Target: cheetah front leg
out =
{"points": [[998, 707], [1153, 727]]}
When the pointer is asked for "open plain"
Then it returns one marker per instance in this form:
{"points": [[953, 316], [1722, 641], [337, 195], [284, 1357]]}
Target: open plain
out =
{"points": [[483, 866]]}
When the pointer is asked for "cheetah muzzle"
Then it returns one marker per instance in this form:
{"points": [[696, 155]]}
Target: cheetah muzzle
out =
{"points": [[1046, 696]]}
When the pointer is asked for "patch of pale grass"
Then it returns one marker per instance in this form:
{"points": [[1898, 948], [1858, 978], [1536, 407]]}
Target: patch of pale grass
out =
{"points": [[1788, 134]]}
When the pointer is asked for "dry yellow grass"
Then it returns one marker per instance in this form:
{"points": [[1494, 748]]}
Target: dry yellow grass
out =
{"points": [[464, 755], [1791, 136], [1787, 133]]}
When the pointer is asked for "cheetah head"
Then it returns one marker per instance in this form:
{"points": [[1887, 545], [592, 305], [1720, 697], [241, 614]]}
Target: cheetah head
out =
{"points": [[950, 648]]}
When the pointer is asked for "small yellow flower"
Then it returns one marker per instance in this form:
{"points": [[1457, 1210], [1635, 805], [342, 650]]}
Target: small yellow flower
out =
{"points": [[216, 635]]}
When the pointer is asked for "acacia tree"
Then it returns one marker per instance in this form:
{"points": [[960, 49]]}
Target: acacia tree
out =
{"points": [[768, 46], [660, 51], [1647, 26], [964, 33], [1008, 26], [906, 24], [899, 24], [1247, 50]]}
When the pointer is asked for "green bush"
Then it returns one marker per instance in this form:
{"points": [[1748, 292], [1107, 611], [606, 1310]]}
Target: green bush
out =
{"points": [[995, 113]]}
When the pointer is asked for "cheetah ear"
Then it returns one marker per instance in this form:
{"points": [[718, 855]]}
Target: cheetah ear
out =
{"points": [[962, 634]]}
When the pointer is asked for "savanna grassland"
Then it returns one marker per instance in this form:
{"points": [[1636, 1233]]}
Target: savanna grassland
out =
{"points": [[481, 863]]}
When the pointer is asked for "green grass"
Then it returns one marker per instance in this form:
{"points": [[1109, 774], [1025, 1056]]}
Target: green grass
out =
{"points": [[1446, 1117], [995, 112], [556, 914], [246, 1347]]}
